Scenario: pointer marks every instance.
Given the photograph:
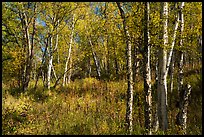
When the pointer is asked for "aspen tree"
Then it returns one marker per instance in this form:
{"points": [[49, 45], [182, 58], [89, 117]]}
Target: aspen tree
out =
{"points": [[69, 51], [162, 77], [147, 72], [129, 110]]}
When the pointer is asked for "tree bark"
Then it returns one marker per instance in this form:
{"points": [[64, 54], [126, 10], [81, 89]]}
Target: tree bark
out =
{"points": [[40, 71], [129, 110], [69, 51], [156, 120], [96, 61], [171, 76], [180, 77], [29, 57], [181, 118], [162, 83], [54, 72], [172, 45], [70, 72], [136, 64], [50, 62], [147, 72]]}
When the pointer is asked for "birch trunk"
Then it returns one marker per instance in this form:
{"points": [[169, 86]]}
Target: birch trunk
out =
{"points": [[135, 64], [180, 77], [95, 60], [162, 83], [50, 63], [54, 72], [147, 72], [29, 58], [181, 118], [171, 88], [171, 76], [129, 110], [172, 45], [70, 72], [69, 51], [156, 120]]}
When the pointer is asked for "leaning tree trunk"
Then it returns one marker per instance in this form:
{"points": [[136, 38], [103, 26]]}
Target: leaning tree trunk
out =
{"points": [[147, 72], [129, 110], [96, 61], [40, 70], [162, 83]]}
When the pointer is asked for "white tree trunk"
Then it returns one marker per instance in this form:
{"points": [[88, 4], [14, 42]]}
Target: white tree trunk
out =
{"points": [[172, 76], [69, 52], [50, 63], [181, 118], [147, 72], [129, 110], [156, 120], [95, 60], [27, 67], [180, 77], [162, 83], [172, 45], [54, 72], [70, 72]]}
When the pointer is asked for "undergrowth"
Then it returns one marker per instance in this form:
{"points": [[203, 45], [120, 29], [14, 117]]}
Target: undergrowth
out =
{"points": [[85, 106]]}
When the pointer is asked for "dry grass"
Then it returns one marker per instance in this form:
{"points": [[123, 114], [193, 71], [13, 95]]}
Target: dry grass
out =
{"points": [[86, 106]]}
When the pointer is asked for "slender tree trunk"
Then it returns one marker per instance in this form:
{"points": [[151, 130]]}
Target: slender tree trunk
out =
{"points": [[40, 70], [70, 72], [172, 45], [129, 110], [96, 61], [105, 53], [135, 64], [50, 63], [180, 77], [27, 75], [69, 51], [156, 120], [147, 72], [54, 72], [162, 83], [28, 66], [171, 76], [171, 88]]}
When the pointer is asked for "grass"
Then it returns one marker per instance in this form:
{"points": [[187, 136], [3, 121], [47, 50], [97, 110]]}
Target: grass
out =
{"points": [[84, 107]]}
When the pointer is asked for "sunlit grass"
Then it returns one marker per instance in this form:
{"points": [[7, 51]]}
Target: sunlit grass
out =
{"points": [[86, 106]]}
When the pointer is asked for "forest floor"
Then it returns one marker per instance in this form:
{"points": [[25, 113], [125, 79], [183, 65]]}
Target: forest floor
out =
{"points": [[88, 107]]}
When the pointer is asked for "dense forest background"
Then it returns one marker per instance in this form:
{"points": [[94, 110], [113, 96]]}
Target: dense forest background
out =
{"points": [[102, 68]]}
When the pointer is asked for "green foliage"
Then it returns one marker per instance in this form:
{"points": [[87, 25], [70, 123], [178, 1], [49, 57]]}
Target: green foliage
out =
{"points": [[88, 105]]}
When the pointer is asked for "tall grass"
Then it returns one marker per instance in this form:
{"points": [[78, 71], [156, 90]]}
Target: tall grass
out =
{"points": [[85, 106]]}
